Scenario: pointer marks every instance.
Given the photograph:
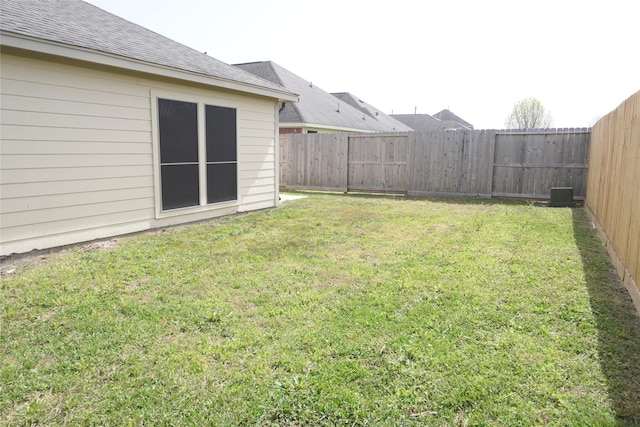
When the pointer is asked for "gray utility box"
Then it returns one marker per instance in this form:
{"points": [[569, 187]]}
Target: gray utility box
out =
{"points": [[561, 197]]}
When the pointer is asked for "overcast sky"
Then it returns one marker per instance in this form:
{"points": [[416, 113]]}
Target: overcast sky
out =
{"points": [[581, 59]]}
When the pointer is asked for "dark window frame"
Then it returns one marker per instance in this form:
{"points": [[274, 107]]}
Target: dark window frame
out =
{"points": [[216, 155], [221, 147]]}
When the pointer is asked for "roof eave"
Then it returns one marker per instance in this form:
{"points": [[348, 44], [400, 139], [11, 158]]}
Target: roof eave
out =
{"points": [[321, 126], [19, 41]]}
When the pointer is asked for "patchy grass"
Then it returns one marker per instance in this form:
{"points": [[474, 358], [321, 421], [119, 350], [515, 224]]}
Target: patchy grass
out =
{"points": [[330, 310]]}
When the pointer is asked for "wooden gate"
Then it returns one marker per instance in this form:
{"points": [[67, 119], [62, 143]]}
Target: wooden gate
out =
{"points": [[378, 163]]}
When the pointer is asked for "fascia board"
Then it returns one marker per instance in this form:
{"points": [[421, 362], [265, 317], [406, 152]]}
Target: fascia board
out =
{"points": [[78, 53], [327, 127]]}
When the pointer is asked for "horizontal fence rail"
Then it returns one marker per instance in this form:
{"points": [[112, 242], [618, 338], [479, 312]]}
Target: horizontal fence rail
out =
{"points": [[485, 163]]}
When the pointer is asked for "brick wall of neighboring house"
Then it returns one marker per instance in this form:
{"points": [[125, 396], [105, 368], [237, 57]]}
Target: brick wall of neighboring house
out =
{"points": [[290, 130]]}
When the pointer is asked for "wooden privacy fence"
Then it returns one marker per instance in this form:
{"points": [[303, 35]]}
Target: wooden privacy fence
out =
{"points": [[486, 163], [613, 192]]}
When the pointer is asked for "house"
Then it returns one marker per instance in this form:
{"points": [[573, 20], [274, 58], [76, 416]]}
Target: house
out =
{"points": [[373, 112], [445, 119], [316, 110], [109, 128], [447, 116], [421, 122]]}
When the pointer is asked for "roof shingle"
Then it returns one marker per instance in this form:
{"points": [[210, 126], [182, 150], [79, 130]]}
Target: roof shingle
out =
{"points": [[372, 112], [82, 25], [315, 107], [446, 115]]}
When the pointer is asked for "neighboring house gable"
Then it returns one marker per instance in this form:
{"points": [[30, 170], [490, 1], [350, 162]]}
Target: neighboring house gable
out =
{"points": [[109, 128], [426, 122], [446, 115], [420, 122], [316, 109], [373, 112]]}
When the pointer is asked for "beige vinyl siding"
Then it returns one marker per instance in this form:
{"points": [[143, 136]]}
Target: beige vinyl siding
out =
{"points": [[256, 158], [74, 108], [29, 205], [258, 180], [76, 155], [52, 176], [34, 193], [65, 140]]}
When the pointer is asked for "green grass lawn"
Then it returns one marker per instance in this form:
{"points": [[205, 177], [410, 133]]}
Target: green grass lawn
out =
{"points": [[329, 310]]}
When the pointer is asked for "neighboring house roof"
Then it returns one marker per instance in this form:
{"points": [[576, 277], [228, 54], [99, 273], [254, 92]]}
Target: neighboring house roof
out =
{"points": [[79, 30], [424, 122], [315, 108], [372, 111], [446, 115]]}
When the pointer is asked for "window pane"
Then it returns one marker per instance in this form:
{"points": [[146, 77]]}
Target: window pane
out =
{"points": [[221, 134], [180, 186], [178, 123], [222, 182]]}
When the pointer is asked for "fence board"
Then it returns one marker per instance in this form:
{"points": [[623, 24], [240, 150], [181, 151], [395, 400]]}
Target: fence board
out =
{"points": [[437, 162], [377, 162], [633, 250], [613, 191], [314, 161], [531, 163], [508, 150], [479, 162], [479, 155]]}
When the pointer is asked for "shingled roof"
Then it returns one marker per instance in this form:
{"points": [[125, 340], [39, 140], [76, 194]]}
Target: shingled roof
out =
{"points": [[315, 108], [424, 122], [446, 115], [372, 112], [80, 25]]}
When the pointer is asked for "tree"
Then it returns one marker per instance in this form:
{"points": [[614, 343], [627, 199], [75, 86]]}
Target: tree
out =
{"points": [[528, 113]]}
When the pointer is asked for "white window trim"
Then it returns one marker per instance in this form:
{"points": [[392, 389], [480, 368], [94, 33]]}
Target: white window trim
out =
{"points": [[201, 101]]}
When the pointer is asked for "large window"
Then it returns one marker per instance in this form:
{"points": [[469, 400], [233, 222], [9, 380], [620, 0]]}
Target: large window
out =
{"points": [[222, 163], [196, 171]]}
